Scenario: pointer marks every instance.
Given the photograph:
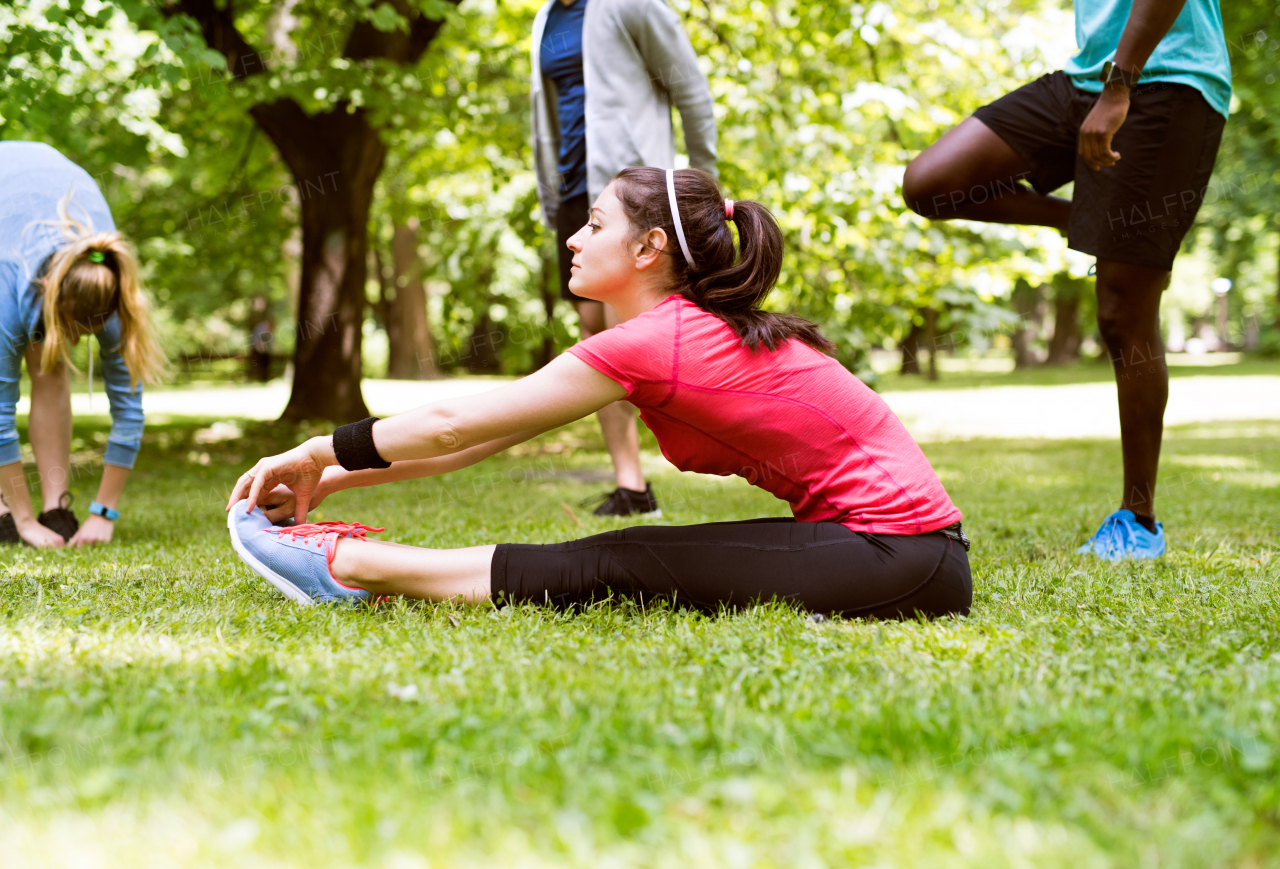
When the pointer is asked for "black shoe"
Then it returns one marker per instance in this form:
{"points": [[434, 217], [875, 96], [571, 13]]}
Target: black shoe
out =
{"points": [[60, 518], [9, 529], [626, 502]]}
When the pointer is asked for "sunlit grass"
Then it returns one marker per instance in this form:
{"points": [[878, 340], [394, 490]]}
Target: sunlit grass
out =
{"points": [[961, 371], [161, 706]]}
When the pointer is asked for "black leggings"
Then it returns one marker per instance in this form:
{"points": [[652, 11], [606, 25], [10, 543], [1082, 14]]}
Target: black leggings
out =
{"points": [[821, 566]]}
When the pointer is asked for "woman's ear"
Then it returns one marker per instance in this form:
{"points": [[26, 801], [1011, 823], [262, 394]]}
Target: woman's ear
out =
{"points": [[649, 249]]}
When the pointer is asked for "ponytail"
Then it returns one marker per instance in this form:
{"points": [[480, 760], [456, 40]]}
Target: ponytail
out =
{"points": [[727, 282], [90, 278]]}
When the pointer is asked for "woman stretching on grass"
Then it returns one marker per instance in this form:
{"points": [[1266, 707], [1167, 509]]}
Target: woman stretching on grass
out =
{"points": [[65, 273], [725, 387]]}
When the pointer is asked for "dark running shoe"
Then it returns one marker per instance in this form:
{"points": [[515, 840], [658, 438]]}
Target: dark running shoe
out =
{"points": [[60, 518], [9, 529], [625, 502]]}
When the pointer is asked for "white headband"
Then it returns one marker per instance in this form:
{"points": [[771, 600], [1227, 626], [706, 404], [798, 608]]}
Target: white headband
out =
{"points": [[675, 216]]}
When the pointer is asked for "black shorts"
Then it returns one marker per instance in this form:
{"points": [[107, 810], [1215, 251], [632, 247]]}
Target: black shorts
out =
{"points": [[1138, 210], [819, 566], [572, 216]]}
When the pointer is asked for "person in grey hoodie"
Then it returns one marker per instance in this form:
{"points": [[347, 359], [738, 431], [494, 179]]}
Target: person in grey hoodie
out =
{"points": [[605, 74]]}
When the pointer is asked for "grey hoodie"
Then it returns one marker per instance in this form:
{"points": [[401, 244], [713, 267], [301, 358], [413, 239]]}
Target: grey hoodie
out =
{"points": [[636, 61]]}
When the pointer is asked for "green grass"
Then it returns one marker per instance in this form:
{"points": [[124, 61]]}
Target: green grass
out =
{"points": [[160, 705], [971, 374]]}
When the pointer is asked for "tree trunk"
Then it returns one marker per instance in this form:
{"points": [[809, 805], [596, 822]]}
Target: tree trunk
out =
{"points": [[910, 347], [482, 355], [931, 335], [335, 159], [1064, 346], [411, 352], [261, 329], [386, 294], [1026, 299]]}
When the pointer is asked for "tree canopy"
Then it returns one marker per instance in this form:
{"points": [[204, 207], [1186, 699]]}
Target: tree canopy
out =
{"points": [[238, 141]]}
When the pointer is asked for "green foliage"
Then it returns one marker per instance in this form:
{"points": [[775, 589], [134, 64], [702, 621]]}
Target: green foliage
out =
{"points": [[187, 175], [465, 174], [820, 106], [1238, 221], [160, 705], [1269, 343]]}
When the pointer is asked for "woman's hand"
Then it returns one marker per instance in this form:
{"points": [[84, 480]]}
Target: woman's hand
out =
{"points": [[95, 530], [281, 502], [300, 470], [37, 535]]}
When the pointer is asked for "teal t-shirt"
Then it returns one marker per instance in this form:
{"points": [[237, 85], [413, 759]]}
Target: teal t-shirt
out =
{"points": [[1193, 52]]}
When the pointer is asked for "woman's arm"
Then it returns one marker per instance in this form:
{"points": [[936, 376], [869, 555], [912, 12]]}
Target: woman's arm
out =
{"points": [[337, 478], [127, 418], [98, 529], [125, 438], [563, 391]]}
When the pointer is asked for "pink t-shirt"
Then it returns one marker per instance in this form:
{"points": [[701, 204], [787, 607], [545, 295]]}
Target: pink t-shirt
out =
{"points": [[792, 421]]}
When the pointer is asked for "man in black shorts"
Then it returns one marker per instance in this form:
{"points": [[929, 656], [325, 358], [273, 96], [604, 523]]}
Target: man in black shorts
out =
{"points": [[1134, 120]]}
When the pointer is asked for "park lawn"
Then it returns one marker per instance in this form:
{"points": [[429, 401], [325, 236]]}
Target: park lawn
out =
{"points": [[162, 706], [960, 372]]}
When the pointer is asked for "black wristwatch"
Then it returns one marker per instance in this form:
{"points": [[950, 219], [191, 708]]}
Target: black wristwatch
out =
{"points": [[1112, 73]]}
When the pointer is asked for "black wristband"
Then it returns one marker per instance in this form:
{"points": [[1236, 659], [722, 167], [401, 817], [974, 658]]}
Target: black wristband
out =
{"points": [[353, 445], [1110, 72]]}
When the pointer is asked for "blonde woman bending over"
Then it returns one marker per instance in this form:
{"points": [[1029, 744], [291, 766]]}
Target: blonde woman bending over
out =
{"points": [[65, 273]]}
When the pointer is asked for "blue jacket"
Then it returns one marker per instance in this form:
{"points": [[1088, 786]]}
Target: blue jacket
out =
{"points": [[33, 178]]}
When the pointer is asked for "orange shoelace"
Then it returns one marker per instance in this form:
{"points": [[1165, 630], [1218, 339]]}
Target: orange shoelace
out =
{"points": [[321, 529]]}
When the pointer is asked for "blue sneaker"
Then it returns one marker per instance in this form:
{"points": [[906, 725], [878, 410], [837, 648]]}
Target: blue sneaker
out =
{"points": [[1122, 537], [295, 559]]}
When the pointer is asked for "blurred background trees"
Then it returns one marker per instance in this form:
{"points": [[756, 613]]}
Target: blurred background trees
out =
{"points": [[1240, 226], [215, 128]]}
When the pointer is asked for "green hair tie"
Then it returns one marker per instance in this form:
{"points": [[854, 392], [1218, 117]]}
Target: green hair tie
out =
{"points": [[97, 256]]}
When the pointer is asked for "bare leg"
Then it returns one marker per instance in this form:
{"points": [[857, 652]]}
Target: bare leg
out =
{"points": [[1129, 320], [973, 174], [49, 426], [412, 571], [617, 420]]}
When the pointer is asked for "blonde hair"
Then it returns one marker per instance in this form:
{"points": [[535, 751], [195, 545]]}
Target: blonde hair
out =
{"points": [[90, 278]]}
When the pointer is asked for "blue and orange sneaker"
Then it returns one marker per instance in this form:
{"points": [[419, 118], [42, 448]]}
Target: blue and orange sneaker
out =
{"points": [[1121, 536], [295, 559]]}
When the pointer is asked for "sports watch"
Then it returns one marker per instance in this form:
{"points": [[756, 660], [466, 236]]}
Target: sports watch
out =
{"points": [[104, 511], [1112, 73]]}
